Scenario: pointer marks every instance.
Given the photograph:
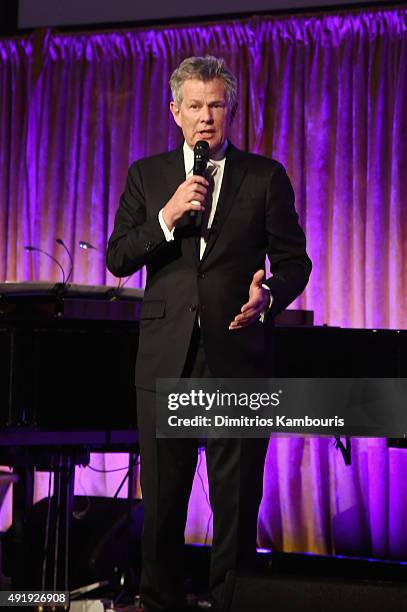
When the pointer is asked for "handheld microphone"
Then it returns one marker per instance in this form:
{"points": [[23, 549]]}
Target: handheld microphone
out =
{"points": [[62, 243], [31, 248], [201, 157]]}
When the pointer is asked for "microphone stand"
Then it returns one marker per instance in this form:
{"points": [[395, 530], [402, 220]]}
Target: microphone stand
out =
{"points": [[62, 243], [87, 246], [31, 248]]}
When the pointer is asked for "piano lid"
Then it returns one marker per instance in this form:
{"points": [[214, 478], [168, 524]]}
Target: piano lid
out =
{"points": [[11, 289], [38, 300]]}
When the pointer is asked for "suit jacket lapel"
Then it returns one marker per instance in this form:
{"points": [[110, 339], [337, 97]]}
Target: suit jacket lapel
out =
{"points": [[234, 173], [174, 170], [174, 173]]}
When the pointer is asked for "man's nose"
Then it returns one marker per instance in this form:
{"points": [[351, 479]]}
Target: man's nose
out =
{"points": [[206, 115]]}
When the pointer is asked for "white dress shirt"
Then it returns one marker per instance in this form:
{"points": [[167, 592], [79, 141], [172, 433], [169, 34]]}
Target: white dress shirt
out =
{"points": [[216, 166]]}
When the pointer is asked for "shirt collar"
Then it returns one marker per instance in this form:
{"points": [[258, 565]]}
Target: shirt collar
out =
{"points": [[189, 154]]}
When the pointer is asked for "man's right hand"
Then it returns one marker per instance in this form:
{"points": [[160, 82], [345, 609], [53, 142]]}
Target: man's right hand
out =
{"points": [[193, 189]]}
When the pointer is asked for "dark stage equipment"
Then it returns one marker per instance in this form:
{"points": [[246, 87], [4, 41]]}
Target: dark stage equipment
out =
{"points": [[67, 356], [270, 593], [104, 543]]}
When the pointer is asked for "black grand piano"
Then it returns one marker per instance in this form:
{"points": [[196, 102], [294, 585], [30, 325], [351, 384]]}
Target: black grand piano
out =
{"points": [[67, 355]]}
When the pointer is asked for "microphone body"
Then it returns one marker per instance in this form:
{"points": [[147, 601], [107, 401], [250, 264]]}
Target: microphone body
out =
{"points": [[201, 157]]}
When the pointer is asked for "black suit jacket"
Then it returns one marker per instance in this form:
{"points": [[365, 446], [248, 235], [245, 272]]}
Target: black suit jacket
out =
{"points": [[255, 218]]}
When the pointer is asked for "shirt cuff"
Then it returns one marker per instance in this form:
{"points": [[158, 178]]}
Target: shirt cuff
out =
{"points": [[169, 235], [263, 314]]}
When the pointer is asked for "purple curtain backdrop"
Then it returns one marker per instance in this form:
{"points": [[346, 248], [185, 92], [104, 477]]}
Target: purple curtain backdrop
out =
{"points": [[325, 94]]}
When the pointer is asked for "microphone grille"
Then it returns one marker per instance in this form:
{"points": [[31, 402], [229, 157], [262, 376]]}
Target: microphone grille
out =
{"points": [[201, 145]]}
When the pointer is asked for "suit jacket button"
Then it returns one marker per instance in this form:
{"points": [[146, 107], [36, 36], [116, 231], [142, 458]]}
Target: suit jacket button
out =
{"points": [[201, 275], [149, 245], [192, 307]]}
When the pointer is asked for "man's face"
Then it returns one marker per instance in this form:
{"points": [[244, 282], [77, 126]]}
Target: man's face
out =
{"points": [[204, 113]]}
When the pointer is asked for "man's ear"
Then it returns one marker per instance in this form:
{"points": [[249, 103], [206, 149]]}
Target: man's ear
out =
{"points": [[175, 113], [233, 111]]}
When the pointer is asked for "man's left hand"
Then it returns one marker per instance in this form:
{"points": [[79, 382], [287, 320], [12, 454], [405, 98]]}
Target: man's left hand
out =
{"points": [[259, 301]]}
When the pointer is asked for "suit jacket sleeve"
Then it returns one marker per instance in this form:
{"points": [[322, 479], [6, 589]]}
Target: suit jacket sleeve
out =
{"points": [[289, 262], [137, 235]]}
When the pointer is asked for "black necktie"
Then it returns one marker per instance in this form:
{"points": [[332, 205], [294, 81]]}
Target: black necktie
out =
{"points": [[209, 175]]}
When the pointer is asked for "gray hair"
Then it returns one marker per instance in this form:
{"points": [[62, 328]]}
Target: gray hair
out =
{"points": [[205, 69]]}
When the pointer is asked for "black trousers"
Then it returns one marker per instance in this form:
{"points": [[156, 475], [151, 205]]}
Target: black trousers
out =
{"points": [[235, 474]]}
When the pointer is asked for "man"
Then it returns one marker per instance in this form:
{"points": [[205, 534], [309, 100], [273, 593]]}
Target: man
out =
{"points": [[207, 312]]}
